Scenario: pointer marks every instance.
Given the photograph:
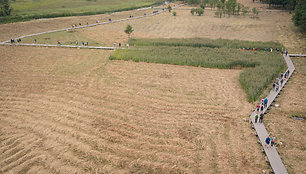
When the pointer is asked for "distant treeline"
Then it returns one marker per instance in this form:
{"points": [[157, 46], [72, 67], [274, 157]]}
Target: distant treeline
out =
{"points": [[297, 6]]}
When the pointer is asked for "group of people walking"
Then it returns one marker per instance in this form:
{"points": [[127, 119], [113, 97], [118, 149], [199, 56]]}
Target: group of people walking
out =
{"points": [[280, 81], [267, 49], [270, 141], [260, 110], [82, 43], [14, 41]]}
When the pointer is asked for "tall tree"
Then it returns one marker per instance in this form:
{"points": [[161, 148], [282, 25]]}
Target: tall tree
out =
{"points": [[5, 8], [129, 30], [299, 16]]}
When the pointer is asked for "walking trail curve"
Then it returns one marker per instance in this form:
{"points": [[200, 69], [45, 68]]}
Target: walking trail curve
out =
{"points": [[85, 26], [275, 161]]}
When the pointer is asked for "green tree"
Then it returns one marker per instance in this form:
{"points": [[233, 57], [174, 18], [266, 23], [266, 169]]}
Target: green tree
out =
{"points": [[299, 17], [129, 30], [192, 11], [174, 13], [169, 8], [200, 11], [5, 8], [245, 10], [255, 12]]}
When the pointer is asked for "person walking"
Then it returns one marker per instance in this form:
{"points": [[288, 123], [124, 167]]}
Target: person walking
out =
{"points": [[274, 85], [261, 108], [272, 141], [256, 118], [286, 52], [261, 117], [35, 41], [115, 44], [76, 43], [268, 139], [282, 81], [258, 106], [266, 102]]}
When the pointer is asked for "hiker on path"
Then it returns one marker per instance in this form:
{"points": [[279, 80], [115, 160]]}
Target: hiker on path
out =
{"points": [[87, 43], [127, 45], [115, 44], [261, 108], [282, 81], [258, 106], [261, 117], [274, 85], [277, 86], [286, 52], [266, 102], [119, 44], [76, 43], [268, 139], [59, 42], [272, 141], [256, 118]]}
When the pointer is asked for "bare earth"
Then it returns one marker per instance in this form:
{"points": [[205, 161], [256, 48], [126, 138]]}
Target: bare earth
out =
{"points": [[69, 110]]}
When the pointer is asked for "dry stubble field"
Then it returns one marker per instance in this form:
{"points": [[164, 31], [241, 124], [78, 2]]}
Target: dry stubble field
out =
{"points": [[69, 110]]}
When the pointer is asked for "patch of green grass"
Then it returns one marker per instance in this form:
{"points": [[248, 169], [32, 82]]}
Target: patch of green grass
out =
{"points": [[202, 42], [35, 9], [260, 67]]}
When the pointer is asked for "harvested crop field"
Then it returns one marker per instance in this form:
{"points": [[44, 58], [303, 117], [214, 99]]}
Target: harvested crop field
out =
{"points": [[270, 26], [69, 110]]}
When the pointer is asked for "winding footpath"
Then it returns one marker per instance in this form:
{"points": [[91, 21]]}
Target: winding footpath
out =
{"points": [[271, 152], [85, 26]]}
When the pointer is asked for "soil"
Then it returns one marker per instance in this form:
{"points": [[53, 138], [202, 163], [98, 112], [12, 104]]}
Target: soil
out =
{"points": [[68, 110]]}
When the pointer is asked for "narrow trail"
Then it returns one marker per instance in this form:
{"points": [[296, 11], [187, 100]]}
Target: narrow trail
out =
{"points": [[271, 152], [85, 26]]}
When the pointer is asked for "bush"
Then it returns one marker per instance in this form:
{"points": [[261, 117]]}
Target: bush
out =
{"points": [[174, 13]]}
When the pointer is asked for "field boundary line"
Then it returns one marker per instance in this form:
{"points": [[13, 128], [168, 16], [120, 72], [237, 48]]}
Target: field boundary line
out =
{"points": [[62, 46], [272, 154], [96, 24]]}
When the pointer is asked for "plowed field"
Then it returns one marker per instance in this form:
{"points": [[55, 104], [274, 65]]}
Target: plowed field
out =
{"points": [[68, 110]]}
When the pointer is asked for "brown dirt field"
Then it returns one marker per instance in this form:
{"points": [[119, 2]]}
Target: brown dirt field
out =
{"points": [[270, 26], [69, 110], [287, 130]]}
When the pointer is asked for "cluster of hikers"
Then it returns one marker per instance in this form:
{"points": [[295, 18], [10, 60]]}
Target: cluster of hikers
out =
{"points": [[280, 81], [82, 43], [13, 41], [119, 45], [270, 141], [267, 49], [260, 110], [76, 25]]}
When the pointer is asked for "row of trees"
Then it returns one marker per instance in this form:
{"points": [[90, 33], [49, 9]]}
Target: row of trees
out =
{"points": [[231, 7]]}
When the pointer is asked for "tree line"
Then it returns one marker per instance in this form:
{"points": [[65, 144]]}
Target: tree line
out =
{"points": [[231, 7]]}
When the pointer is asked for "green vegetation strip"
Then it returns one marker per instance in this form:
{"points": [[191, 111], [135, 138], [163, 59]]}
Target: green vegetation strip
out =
{"points": [[35, 9], [259, 68]]}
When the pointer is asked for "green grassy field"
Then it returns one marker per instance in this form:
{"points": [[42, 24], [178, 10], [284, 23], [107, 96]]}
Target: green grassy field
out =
{"points": [[34, 9], [260, 67]]}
